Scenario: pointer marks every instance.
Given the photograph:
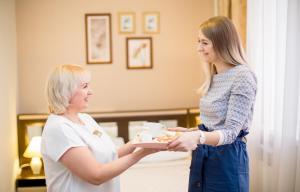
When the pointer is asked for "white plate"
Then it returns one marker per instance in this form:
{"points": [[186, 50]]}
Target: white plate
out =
{"points": [[151, 145]]}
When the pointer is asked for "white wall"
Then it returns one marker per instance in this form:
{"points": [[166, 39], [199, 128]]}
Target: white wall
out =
{"points": [[51, 32], [8, 95]]}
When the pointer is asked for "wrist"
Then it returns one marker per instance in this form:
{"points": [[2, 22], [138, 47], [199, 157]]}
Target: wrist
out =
{"points": [[138, 155], [202, 137], [131, 146], [197, 136], [141, 153]]}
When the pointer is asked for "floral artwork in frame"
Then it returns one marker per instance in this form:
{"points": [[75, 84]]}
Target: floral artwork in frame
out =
{"points": [[151, 22], [139, 52], [98, 38], [126, 22]]}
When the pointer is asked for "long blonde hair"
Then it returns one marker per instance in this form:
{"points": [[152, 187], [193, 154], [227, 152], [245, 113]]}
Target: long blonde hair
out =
{"points": [[226, 44]]}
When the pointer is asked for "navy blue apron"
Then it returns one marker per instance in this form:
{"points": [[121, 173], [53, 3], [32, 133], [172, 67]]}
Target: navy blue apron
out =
{"points": [[222, 168]]}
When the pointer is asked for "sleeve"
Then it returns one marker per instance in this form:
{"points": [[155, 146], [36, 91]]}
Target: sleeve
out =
{"points": [[60, 138], [240, 106]]}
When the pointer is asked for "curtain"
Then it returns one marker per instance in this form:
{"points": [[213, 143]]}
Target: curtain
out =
{"points": [[236, 10], [273, 45]]}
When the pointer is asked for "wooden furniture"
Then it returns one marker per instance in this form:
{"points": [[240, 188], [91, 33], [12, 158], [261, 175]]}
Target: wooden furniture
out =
{"points": [[26, 181]]}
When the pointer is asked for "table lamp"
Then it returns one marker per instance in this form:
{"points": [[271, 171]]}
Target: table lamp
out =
{"points": [[33, 151]]}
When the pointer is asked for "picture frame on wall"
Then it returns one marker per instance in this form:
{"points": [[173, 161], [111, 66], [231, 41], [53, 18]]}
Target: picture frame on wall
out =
{"points": [[126, 22], [98, 38], [151, 22], [139, 52]]}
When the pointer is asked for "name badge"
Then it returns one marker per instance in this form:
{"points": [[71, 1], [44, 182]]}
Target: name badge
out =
{"points": [[97, 133]]}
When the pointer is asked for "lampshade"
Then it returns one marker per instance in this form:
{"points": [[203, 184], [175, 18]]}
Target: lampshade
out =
{"points": [[33, 151], [34, 148]]}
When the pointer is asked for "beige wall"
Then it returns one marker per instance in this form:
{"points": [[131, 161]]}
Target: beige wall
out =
{"points": [[8, 96], [52, 32]]}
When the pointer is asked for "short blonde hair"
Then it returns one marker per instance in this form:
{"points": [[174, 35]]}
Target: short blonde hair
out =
{"points": [[61, 85], [226, 44]]}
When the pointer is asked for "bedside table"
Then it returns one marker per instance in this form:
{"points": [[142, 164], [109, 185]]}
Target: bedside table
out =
{"points": [[27, 182]]}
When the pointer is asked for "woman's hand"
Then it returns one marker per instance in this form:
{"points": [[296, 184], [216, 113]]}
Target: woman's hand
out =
{"points": [[186, 142], [126, 149]]}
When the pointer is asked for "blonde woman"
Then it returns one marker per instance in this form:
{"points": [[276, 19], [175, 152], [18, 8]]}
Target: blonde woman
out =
{"points": [[78, 155], [219, 158]]}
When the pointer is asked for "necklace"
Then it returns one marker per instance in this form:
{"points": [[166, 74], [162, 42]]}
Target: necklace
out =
{"points": [[76, 120], [96, 131]]}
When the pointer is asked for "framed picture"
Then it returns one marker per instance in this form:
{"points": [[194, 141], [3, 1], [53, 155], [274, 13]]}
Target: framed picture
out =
{"points": [[151, 22], [139, 52], [126, 22], [98, 38]]}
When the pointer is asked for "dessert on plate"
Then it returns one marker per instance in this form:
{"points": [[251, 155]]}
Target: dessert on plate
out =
{"points": [[154, 135], [163, 137]]}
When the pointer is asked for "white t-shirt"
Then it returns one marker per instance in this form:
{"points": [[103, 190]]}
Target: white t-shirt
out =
{"points": [[61, 134]]}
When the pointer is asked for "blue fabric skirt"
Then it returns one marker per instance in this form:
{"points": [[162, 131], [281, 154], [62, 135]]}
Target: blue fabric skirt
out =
{"points": [[220, 169]]}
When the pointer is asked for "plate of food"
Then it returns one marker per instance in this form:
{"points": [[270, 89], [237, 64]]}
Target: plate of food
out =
{"points": [[146, 140]]}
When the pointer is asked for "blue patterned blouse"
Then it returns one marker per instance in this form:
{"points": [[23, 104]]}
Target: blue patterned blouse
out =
{"points": [[228, 104]]}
